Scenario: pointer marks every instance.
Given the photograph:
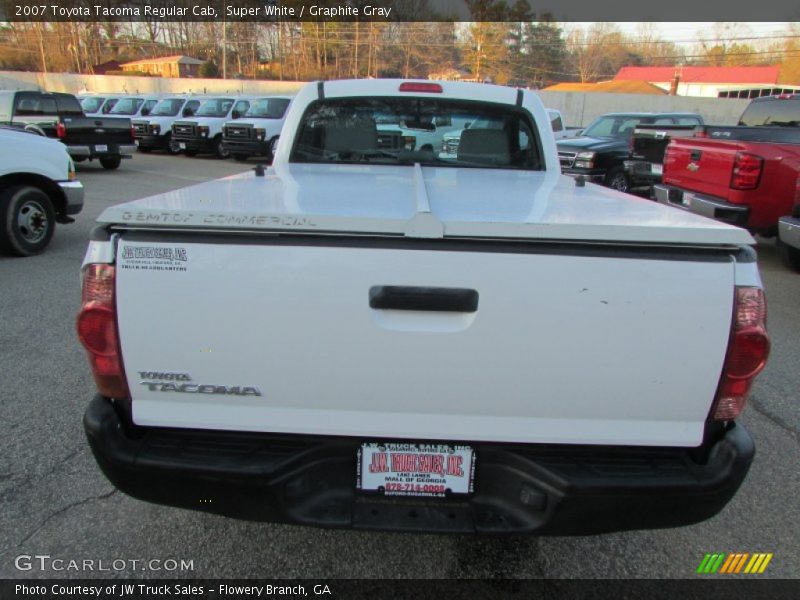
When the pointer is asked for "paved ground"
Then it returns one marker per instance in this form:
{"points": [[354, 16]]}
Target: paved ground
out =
{"points": [[54, 501]]}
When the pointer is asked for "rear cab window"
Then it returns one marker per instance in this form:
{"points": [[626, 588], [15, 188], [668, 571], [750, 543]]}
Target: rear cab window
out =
{"points": [[779, 112], [404, 131], [68, 105]]}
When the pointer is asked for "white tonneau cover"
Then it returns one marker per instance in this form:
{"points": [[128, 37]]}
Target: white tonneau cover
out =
{"points": [[426, 202]]}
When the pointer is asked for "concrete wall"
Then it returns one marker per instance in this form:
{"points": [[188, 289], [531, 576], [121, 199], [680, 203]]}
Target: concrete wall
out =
{"points": [[578, 108], [581, 108]]}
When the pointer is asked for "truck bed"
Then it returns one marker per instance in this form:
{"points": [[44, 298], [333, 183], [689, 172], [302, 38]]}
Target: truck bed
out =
{"points": [[428, 202]]}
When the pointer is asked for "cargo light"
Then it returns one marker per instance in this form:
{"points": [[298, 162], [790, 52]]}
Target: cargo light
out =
{"points": [[746, 171], [418, 86], [61, 131], [98, 331], [747, 354]]}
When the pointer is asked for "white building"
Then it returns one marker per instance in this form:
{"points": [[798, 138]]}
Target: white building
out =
{"points": [[709, 82]]}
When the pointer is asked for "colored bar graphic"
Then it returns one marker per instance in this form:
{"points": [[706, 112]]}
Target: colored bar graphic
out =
{"points": [[767, 558], [734, 563], [741, 562], [728, 564], [704, 564]]}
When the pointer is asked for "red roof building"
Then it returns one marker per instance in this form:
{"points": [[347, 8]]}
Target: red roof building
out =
{"points": [[702, 81]]}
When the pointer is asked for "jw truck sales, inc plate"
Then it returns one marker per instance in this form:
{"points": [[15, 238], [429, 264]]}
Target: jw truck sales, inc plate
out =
{"points": [[404, 469]]}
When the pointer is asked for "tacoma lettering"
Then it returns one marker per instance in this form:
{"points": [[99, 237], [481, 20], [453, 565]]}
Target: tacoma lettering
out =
{"points": [[206, 388]]}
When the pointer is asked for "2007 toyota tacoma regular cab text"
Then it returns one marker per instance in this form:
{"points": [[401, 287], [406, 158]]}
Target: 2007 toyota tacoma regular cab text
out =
{"points": [[372, 336]]}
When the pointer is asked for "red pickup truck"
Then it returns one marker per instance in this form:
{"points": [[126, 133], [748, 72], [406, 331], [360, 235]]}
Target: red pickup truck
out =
{"points": [[748, 175]]}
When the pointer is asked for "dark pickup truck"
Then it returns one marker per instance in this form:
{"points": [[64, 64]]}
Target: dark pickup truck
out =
{"points": [[601, 150], [648, 145], [60, 116], [747, 175]]}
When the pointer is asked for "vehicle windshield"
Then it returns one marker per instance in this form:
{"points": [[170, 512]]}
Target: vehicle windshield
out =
{"points": [[215, 107], [617, 126], [778, 112], [92, 104], [399, 130], [268, 108], [127, 106], [168, 107]]}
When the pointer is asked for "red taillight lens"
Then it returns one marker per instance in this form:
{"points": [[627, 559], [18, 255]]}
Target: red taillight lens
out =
{"points": [[748, 350], [98, 332], [415, 86], [746, 171], [61, 131], [133, 133]]}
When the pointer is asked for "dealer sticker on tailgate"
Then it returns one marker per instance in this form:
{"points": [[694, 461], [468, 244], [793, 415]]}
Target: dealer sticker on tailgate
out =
{"points": [[403, 469]]}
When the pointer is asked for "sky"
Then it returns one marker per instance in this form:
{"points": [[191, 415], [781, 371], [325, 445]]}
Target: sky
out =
{"points": [[690, 32]]}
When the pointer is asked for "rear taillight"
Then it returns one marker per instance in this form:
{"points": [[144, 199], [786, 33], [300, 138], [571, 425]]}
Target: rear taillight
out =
{"points": [[98, 331], [133, 132], [746, 171], [61, 131], [748, 350]]}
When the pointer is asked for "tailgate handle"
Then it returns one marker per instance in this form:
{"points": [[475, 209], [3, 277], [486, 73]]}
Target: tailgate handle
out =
{"points": [[695, 154], [392, 297]]}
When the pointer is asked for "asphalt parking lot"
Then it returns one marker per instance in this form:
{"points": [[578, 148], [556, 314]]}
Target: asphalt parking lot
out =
{"points": [[54, 500]]}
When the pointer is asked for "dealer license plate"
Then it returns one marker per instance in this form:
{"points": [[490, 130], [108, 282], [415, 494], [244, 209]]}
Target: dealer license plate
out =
{"points": [[136, 142], [182, 145], [656, 168], [408, 469], [101, 148]]}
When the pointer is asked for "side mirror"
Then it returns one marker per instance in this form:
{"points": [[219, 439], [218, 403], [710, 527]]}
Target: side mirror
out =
{"points": [[236, 114], [187, 112], [145, 111]]}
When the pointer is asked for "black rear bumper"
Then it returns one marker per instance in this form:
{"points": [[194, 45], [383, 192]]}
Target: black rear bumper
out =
{"points": [[519, 488]]}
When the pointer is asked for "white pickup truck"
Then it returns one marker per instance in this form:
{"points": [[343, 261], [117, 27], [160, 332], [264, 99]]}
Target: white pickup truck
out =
{"points": [[38, 189], [383, 338]]}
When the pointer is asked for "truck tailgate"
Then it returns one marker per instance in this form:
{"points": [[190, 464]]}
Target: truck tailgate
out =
{"points": [[701, 165], [97, 130], [567, 344]]}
